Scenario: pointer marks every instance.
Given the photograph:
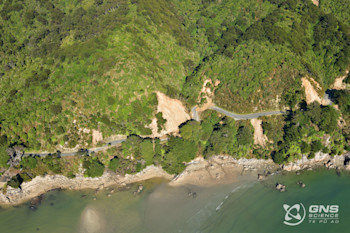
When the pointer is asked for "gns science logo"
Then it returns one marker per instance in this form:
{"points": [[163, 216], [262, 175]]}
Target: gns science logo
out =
{"points": [[296, 214]]}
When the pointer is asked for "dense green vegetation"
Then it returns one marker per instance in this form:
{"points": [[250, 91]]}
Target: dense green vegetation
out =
{"points": [[263, 53], [94, 63], [70, 67]]}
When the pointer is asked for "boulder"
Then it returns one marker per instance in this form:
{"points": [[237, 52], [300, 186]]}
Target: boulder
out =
{"points": [[301, 184], [280, 187]]}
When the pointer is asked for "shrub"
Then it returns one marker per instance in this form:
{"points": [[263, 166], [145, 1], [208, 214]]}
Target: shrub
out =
{"points": [[305, 147], [94, 168], [279, 157], [316, 146], [15, 181], [56, 109], [29, 162], [113, 164], [311, 155]]}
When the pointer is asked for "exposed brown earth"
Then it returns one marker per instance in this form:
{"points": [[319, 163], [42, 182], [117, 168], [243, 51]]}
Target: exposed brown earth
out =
{"points": [[310, 92], [173, 111], [259, 137]]}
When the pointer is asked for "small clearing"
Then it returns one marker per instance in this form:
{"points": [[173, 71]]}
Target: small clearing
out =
{"points": [[338, 83], [96, 136], [207, 92]]}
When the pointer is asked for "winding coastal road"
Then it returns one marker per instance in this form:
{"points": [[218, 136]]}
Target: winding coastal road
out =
{"points": [[245, 116], [195, 117], [88, 151]]}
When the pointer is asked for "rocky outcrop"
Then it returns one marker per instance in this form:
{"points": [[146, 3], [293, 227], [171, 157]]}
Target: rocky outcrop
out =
{"points": [[320, 159], [200, 171], [280, 187], [43, 184]]}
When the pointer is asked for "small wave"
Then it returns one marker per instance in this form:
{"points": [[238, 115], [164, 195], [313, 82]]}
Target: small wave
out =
{"points": [[219, 206]]}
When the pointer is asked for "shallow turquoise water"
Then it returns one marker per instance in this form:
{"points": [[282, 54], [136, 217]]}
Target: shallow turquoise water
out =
{"points": [[246, 206]]}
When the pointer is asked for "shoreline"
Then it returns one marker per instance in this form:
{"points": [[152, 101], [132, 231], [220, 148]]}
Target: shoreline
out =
{"points": [[202, 172]]}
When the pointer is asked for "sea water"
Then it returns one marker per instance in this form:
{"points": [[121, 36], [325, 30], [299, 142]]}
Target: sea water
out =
{"points": [[247, 206]]}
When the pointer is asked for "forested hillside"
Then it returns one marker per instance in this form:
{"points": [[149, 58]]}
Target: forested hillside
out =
{"points": [[68, 67], [260, 49]]}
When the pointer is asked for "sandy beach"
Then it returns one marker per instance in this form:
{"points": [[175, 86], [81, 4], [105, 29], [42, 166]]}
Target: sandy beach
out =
{"points": [[200, 171]]}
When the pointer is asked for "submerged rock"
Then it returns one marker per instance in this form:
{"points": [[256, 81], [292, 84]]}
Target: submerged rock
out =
{"points": [[139, 190], [35, 202], [301, 184], [280, 187], [261, 176]]}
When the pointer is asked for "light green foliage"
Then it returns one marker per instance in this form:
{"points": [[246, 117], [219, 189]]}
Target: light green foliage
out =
{"points": [[91, 62], [178, 152], [191, 130], [340, 8], [147, 152], [279, 42], [25, 177], [99, 64], [29, 162], [131, 147], [4, 157]]}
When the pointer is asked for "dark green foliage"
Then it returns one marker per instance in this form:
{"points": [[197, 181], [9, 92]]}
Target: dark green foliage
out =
{"points": [[339, 8], [113, 164], [245, 135], [56, 109], [223, 139], [138, 167], [110, 100], [325, 117], [316, 146], [279, 157], [160, 121], [342, 98], [273, 127], [347, 79], [15, 181], [311, 155], [94, 168], [305, 147]]}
